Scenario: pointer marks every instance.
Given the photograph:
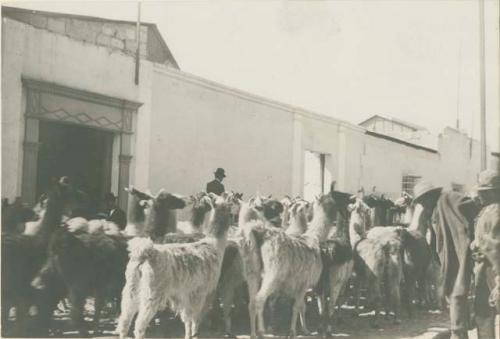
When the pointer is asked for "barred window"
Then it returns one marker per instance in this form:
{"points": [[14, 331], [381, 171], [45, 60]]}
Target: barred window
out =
{"points": [[409, 182]]}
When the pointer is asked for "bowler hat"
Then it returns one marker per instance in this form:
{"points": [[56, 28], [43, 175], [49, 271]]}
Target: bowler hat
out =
{"points": [[220, 172], [423, 189], [488, 180]]}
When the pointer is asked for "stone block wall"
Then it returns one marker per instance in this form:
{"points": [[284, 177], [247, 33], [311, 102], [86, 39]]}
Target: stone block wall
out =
{"points": [[115, 35]]}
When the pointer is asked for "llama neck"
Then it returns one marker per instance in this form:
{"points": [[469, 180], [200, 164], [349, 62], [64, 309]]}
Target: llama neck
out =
{"points": [[408, 216], [343, 229], [135, 216], [198, 219], [51, 219], [159, 223], [298, 224], [218, 226], [320, 225], [356, 228], [285, 221], [419, 220], [247, 213]]}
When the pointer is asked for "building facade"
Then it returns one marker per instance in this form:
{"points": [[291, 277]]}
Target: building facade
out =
{"points": [[70, 106]]}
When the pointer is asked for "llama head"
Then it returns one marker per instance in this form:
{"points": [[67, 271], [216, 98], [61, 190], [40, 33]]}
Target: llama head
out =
{"points": [[268, 209], [300, 211], [201, 205], [160, 216], [359, 211], [300, 207], [324, 206], [64, 198], [286, 201], [235, 200], [220, 218], [165, 200], [137, 203]]}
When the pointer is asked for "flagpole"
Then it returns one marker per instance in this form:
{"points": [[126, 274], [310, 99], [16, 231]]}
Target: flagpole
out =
{"points": [[138, 39], [482, 85]]}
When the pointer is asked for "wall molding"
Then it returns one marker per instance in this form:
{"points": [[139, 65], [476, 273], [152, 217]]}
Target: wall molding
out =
{"points": [[80, 94]]}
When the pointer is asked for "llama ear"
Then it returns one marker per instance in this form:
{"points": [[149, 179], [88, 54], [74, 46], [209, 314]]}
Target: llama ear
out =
{"points": [[332, 186]]}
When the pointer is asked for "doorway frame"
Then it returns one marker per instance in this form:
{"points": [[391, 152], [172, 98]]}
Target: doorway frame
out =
{"points": [[81, 107]]}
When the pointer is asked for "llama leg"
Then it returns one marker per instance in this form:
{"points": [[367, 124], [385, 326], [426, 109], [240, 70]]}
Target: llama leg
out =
{"points": [[260, 302], [396, 304], [22, 311], [77, 299], [129, 309], [187, 328], [252, 292], [98, 305], [377, 303], [147, 311], [356, 285], [302, 317], [298, 305], [195, 327], [322, 310], [227, 304], [271, 306]]}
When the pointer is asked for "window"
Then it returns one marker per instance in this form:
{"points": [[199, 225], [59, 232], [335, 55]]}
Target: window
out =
{"points": [[409, 182], [457, 187]]}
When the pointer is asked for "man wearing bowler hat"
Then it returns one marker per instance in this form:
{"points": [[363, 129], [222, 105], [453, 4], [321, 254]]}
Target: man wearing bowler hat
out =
{"points": [[113, 212], [216, 186]]}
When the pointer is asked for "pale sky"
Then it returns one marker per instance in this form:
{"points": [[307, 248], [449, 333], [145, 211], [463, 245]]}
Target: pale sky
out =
{"points": [[414, 60]]}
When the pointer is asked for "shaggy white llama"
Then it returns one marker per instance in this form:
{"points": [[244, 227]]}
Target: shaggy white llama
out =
{"points": [[370, 258], [284, 255], [180, 276]]}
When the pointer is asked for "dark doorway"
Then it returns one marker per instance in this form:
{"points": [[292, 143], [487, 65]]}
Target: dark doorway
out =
{"points": [[81, 153]]}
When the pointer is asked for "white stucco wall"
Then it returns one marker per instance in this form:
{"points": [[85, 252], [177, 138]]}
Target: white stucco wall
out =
{"points": [[384, 163], [46, 56], [198, 126]]}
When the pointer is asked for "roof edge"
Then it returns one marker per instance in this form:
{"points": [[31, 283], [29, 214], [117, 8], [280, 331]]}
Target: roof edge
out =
{"points": [[399, 141], [7, 9]]}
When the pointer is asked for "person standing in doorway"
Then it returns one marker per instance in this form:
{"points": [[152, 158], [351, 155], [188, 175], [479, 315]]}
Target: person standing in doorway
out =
{"points": [[216, 186], [114, 213]]}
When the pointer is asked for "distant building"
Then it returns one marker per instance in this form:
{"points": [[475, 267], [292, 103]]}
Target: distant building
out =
{"points": [[70, 106], [400, 129]]}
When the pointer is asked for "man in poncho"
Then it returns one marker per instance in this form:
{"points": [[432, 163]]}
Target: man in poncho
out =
{"points": [[453, 215], [486, 254]]}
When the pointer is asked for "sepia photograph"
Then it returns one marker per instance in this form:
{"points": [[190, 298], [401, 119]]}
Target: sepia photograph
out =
{"points": [[250, 169]]}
